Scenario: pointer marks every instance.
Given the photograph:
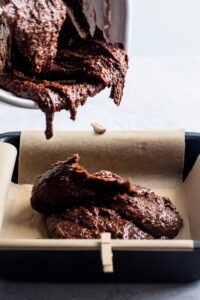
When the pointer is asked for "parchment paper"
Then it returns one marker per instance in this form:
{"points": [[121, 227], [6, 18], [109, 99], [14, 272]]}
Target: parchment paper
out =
{"points": [[191, 189], [7, 161], [152, 158], [20, 220]]}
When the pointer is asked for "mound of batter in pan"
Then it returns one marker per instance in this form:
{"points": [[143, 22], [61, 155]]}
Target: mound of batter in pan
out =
{"points": [[80, 205]]}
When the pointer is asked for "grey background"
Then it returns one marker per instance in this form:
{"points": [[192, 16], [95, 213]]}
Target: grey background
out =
{"points": [[166, 27], [13, 291]]}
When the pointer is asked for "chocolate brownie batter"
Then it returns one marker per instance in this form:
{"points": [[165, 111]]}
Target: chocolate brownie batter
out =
{"points": [[51, 96], [89, 222], [3, 43], [67, 182], [78, 204], [96, 61], [35, 26], [58, 58], [85, 20]]}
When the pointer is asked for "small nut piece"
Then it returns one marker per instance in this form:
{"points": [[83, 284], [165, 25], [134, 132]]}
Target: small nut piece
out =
{"points": [[98, 129]]}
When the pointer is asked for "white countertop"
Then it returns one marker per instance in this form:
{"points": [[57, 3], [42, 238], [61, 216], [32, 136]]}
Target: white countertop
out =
{"points": [[161, 92]]}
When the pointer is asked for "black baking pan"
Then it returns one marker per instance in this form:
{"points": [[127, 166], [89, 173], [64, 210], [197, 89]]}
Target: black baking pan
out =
{"points": [[85, 266]]}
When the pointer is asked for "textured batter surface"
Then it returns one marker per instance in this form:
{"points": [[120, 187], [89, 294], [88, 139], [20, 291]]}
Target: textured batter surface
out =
{"points": [[56, 60], [88, 222], [3, 43], [35, 26], [78, 204]]}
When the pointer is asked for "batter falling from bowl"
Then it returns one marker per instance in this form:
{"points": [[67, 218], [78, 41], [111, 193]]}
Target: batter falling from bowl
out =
{"points": [[57, 56]]}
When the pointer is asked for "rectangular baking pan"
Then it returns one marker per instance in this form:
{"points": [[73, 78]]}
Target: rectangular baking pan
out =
{"points": [[85, 266]]}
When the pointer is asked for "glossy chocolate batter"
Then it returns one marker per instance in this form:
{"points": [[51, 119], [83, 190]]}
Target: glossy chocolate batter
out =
{"points": [[84, 21], [57, 59], [81, 71], [78, 204], [89, 222], [35, 26], [51, 96], [65, 183], [3, 43]]}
